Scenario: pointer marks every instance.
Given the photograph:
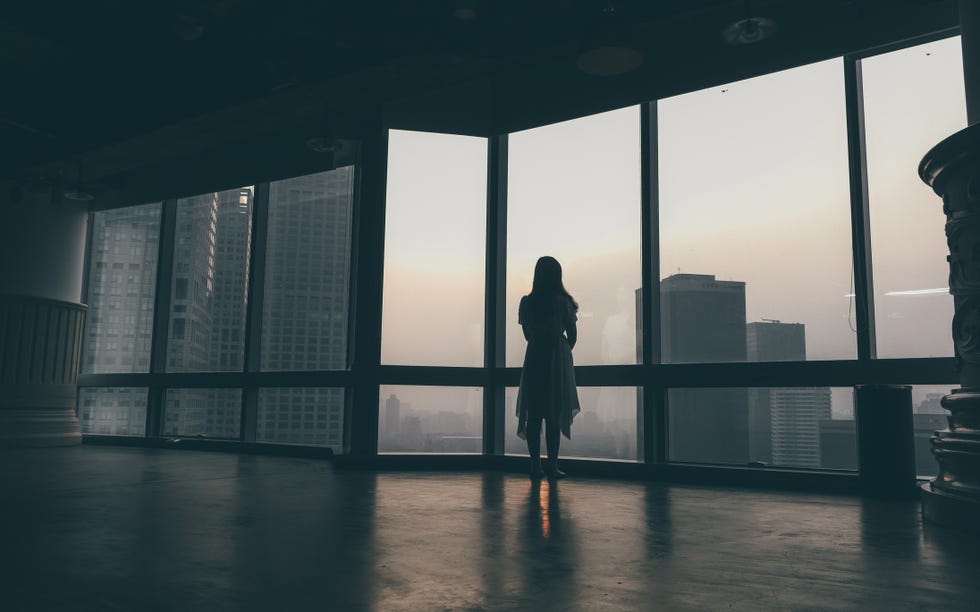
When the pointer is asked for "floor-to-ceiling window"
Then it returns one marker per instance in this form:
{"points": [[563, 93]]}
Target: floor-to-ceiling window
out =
{"points": [[733, 209]]}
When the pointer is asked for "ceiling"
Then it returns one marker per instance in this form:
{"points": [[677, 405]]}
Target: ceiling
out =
{"points": [[158, 98]]}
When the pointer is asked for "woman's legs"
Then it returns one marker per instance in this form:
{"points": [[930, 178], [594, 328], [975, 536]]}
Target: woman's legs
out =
{"points": [[534, 444], [553, 438]]}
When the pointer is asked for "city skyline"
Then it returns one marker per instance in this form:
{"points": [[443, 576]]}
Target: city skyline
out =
{"points": [[305, 313]]}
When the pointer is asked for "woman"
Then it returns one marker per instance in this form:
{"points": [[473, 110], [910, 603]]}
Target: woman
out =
{"points": [[547, 391]]}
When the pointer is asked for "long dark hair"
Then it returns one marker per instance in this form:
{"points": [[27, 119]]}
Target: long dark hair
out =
{"points": [[547, 280]]}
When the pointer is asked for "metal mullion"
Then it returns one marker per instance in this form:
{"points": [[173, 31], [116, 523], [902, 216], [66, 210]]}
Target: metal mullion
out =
{"points": [[87, 263], [368, 255], [651, 417], [83, 298], [860, 217], [254, 306], [495, 294], [448, 376], [161, 317]]}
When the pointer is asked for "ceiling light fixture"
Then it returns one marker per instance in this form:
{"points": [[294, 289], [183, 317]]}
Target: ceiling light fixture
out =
{"points": [[936, 291], [749, 30], [78, 194], [465, 10], [322, 144], [605, 52]]}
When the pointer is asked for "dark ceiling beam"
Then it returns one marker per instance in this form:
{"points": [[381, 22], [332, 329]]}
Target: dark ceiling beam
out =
{"points": [[262, 137]]}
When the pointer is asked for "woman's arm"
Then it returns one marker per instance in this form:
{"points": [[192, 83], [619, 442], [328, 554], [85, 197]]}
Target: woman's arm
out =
{"points": [[527, 332], [572, 332]]}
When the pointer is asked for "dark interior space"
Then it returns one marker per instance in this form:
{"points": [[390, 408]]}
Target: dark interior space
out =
{"points": [[268, 324]]}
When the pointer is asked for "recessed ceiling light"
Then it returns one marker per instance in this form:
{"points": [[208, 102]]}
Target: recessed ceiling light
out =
{"points": [[321, 144], [606, 52], [465, 10], [749, 30], [77, 195]]}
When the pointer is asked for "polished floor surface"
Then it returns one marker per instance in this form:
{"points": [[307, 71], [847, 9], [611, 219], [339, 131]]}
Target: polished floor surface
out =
{"points": [[109, 529]]}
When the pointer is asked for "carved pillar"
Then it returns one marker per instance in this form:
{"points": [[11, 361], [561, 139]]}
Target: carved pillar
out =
{"points": [[952, 169], [40, 344]]}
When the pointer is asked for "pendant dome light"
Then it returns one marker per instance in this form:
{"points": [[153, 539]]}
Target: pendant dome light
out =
{"points": [[606, 52]]}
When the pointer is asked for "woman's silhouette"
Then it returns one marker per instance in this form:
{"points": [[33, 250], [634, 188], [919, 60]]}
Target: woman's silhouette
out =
{"points": [[547, 392]]}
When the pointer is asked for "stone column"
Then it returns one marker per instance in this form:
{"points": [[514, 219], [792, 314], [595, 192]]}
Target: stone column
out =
{"points": [[42, 254], [952, 169]]}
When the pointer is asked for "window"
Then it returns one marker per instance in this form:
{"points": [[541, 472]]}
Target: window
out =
{"points": [[116, 411], [755, 220], [435, 236], [573, 193], [180, 289], [105, 290], [913, 98], [214, 287], [808, 427], [604, 429], [307, 274], [422, 419], [314, 417], [203, 413], [928, 416]]}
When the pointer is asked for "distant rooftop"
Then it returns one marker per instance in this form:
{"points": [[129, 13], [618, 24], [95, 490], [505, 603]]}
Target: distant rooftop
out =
{"points": [[699, 281]]}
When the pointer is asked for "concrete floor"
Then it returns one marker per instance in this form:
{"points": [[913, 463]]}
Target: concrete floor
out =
{"points": [[106, 528]]}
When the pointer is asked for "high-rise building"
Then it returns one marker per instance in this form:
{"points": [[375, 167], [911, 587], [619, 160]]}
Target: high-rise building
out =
{"points": [[771, 340], [795, 415], [122, 283], [119, 329], [932, 404], [305, 313], [784, 421], [208, 309], [304, 316], [703, 320], [392, 418]]}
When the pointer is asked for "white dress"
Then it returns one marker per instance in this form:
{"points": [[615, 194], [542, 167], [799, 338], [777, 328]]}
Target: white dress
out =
{"points": [[548, 377]]}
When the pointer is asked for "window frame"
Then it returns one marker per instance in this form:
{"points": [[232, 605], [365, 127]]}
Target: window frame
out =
{"points": [[364, 375]]}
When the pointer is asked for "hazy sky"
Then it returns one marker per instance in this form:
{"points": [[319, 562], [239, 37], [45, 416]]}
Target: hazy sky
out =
{"points": [[753, 187], [913, 99]]}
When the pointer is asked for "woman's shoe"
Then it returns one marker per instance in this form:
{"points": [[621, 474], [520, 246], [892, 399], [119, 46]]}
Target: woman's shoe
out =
{"points": [[555, 474], [537, 474]]}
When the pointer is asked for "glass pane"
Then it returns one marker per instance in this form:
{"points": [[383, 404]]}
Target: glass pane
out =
{"points": [[203, 413], [928, 416], [573, 193], [435, 237], [119, 411], [913, 98], [755, 216], [210, 284], [416, 419], [122, 280], [605, 429], [809, 427], [304, 317], [314, 417]]}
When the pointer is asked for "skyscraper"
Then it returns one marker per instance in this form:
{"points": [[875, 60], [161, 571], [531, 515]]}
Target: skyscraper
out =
{"points": [[119, 328], [305, 312], [784, 421], [209, 302], [703, 320], [304, 319], [392, 418]]}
